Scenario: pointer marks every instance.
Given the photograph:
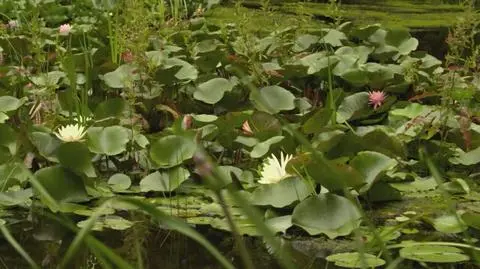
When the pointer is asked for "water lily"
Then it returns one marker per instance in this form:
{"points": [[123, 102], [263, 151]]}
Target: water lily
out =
{"points": [[274, 170], [71, 133], [376, 98], [82, 119], [64, 29]]}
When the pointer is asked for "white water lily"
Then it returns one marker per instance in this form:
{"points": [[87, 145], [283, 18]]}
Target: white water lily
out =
{"points": [[274, 170], [71, 133]]}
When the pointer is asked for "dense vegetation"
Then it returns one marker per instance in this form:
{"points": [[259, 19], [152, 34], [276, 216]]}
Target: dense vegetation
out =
{"points": [[122, 118]]}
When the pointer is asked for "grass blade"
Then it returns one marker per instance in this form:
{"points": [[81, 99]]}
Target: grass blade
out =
{"points": [[8, 236]]}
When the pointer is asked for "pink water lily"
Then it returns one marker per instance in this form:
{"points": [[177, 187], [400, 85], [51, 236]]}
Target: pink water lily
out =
{"points": [[64, 29], [376, 98]]}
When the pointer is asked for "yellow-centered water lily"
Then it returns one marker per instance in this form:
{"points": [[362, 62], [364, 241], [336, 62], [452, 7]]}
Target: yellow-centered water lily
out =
{"points": [[71, 133], [274, 170]]}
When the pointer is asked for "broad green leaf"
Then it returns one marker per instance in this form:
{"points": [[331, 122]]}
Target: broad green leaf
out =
{"points": [[165, 181], [466, 158], [110, 140], [401, 39], [318, 121], [359, 53], [279, 224], [10, 103], [3, 117], [355, 260], [472, 219], [114, 107], [281, 194], [333, 37], [325, 141], [172, 150], [416, 186], [212, 91], [273, 99], [304, 42], [382, 192], [75, 156], [247, 141], [13, 173], [122, 77], [262, 148], [456, 186], [204, 117], [350, 105], [319, 62], [61, 184], [117, 223], [412, 110], [108, 222], [328, 213], [16, 197], [335, 176], [8, 138], [355, 76], [371, 164], [120, 182], [186, 72], [46, 144], [449, 224], [434, 254], [48, 79]]}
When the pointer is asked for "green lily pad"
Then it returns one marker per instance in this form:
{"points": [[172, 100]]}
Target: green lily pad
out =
{"points": [[110, 140], [281, 194], [355, 260], [172, 150], [166, 181], [212, 91], [273, 99], [327, 213], [75, 156], [351, 105], [262, 148], [10, 103], [371, 164], [62, 185], [120, 182], [449, 224], [122, 77], [434, 254]]}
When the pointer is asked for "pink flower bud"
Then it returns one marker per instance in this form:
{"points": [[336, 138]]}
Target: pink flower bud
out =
{"points": [[246, 128], [64, 29]]}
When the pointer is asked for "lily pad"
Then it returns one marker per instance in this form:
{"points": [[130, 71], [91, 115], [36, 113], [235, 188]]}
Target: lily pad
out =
{"points": [[262, 148], [273, 99], [281, 194], [327, 213], [355, 260], [434, 254], [120, 182], [212, 91], [172, 150], [166, 181], [110, 140]]}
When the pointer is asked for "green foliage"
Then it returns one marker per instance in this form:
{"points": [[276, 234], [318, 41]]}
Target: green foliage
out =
{"points": [[128, 113]]}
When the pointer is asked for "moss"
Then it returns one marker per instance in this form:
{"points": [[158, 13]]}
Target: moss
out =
{"points": [[389, 13], [256, 21]]}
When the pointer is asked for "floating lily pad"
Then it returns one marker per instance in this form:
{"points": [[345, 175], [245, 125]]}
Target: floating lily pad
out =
{"points": [[355, 260]]}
